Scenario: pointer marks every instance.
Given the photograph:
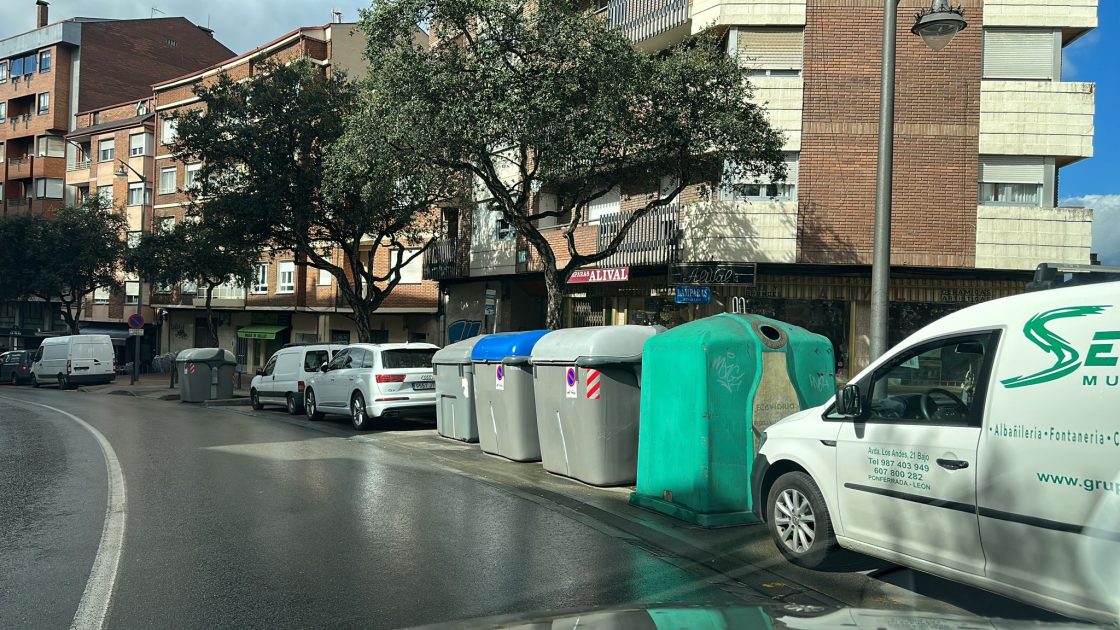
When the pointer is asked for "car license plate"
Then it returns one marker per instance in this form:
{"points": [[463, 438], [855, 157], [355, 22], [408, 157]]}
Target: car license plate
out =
{"points": [[426, 385]]}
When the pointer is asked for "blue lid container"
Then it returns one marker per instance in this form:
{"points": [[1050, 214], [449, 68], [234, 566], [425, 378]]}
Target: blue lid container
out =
{"points": [[511, 347]]}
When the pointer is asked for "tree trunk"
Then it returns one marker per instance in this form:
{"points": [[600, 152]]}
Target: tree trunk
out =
{"points": [[211, 326], [554, 285], [361, 322]]}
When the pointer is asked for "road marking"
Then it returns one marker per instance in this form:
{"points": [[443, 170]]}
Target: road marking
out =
{"points": [[94, 605]]}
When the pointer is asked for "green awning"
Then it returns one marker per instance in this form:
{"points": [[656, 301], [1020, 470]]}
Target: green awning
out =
{"points": [[260, 331]]}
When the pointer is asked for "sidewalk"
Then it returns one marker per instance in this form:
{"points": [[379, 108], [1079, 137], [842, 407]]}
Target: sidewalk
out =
{"points": [[158, 387]]}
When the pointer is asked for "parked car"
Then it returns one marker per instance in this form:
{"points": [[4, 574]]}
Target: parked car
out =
{"points": [[15, 367], [981, 449], [367, 381], [74, 360], [283, 379]]}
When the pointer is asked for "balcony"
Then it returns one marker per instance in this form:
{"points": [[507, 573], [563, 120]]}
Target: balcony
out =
{"points": [[1014, 237], [20, 168], [80, 165], [650, 24], [654, 239], [17, 206], [1053, 118], [709, 13], [447, 259], [1072, 16]]}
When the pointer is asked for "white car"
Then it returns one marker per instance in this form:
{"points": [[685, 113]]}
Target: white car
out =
{"points": [[283, 379], [366, 381], [983, 449], [74, 360]]}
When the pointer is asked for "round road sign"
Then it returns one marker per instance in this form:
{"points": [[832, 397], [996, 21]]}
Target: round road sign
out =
{"points": [[136, 320]]}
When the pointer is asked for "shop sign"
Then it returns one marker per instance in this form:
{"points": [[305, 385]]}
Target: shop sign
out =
{"points": [[965, 296], [708, 273], [607, 274], [693, 295]]}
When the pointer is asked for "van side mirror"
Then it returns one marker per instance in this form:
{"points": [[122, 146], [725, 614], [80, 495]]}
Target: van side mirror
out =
{"points": [[260, 371], [323, 368], [849, 402]]}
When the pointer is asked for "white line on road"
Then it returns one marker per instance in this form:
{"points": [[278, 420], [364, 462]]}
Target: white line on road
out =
{"points": [[94, 605]]}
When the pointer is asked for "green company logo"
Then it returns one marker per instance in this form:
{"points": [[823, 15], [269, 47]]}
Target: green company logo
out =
{"points": [[1067, 359]]}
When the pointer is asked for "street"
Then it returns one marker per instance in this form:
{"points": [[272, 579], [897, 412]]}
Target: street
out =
{"points": [[234, 518]]}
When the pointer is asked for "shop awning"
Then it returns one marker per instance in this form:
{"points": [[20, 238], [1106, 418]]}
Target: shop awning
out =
{"points": [[260, 331]]}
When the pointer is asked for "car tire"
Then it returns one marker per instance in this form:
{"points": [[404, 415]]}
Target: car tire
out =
{"points": [[15, 379], [359, 417], [799, 521], [255, 400], [34, 381], [292, 405], [63, 382], [309, 406]]}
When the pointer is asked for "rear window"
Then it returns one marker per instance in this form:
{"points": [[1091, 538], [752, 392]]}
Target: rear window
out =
{"points": [[404, 359], [313, 359]]}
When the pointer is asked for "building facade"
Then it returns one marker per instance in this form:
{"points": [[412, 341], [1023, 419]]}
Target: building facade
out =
{"points": [[982, 131], [50, 74]]}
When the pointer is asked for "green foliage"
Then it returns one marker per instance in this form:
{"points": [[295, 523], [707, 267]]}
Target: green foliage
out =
{"points": [[554, 99]]}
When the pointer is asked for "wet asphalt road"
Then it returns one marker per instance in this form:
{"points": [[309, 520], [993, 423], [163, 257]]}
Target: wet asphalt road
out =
{"points": [[235, 521]]}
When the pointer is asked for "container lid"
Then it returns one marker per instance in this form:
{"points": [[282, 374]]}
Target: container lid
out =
{"points": [[506, 346], [458, 353], [594, 344], [206, 355]]}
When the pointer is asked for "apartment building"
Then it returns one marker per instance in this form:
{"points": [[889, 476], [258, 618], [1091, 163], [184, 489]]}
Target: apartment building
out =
{"points": [[47, 76], [982, 131], [287, 301]]}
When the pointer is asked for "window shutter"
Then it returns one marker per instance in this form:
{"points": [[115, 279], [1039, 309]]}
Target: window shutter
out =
{"points": [[793, 167], [771, 48], [1012, 169], [1019, 54], [607, 204]]}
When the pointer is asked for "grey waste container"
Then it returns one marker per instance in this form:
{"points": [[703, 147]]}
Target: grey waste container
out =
{"points": [[503, 402], [455, 413], [587, 383], [205, 374]]}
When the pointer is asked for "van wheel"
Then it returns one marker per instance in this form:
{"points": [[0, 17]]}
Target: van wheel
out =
{"points": [[35, 381], [63, 382], [255, 400], [358, 415], [310, 406], [798, 520], [15, 379], [293, 405]]}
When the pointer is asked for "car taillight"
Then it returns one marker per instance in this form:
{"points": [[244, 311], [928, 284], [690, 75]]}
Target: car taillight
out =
{"points": [[390, 378], [300, 385], [68, 366], [23, 368]]}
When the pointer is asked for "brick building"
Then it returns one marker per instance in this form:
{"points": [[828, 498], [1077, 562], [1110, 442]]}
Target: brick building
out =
{"points": [[47, 76], [982, 130]]}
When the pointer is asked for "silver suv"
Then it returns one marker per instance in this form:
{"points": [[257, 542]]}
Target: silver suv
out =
{"points": [[366, 381]]}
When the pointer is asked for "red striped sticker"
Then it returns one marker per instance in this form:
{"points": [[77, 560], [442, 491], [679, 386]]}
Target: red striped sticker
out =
{"points": [[593, 378]]}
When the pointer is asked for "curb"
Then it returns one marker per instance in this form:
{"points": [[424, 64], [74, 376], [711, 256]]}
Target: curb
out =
{"points": [[225, 402]]}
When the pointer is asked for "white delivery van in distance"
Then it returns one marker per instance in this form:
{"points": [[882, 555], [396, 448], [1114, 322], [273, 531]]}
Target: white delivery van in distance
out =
{"points": [[284, 376], [74, 360], [985, 448]]}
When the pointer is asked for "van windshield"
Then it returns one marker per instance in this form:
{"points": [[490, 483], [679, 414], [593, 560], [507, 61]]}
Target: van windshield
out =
{"points": [[404, 359]]}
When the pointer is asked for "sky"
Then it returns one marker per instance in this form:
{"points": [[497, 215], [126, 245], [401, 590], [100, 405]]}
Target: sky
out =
{"points": [[245, 24]]}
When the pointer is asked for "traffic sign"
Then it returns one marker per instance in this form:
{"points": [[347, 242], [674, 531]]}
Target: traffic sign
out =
{"points": [[570, 382], [135, 320], [136, 332]]}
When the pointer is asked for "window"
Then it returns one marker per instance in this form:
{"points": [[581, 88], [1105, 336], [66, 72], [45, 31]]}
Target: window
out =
{"points": [[325, 278], [45, 61], [405, 359], [133, 239], [17, 68], [1030, 54], [49, 188], [163, 288], [1012, 180], [504, 229], [188, 287], [192, 176], [132, 293], [609, 203], [412, 272], [169, 130], [29, 65], [97, 118], [44, 103], [101, 295], [166, 224], [771, 51], [52, 146], [106, 194], [226, 291], [167, 179], [270, 366], [139, 144], [939, 382], [3, 71], [260, 279], [3, 111], [341, 359], [139, 194], [314, 359], [105, 151], [753, 187], [286, 277]]}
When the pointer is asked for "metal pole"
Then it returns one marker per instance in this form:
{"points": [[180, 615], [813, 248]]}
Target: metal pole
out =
{"points": [[881, 266]]}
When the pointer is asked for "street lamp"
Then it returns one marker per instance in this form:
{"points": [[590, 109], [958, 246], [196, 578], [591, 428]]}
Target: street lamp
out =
{"points": [[123, 174], [936, 26]]}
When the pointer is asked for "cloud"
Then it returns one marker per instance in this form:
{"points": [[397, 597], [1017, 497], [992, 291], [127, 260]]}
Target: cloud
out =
{"points": [[1106, 224]]}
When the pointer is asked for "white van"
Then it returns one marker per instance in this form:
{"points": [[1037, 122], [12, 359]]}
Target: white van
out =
{"points": [[74, 360], [985, 448], [281, 381]]}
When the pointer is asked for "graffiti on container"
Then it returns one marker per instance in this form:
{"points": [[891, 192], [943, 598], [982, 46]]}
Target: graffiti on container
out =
{"points": [[728, 373]]}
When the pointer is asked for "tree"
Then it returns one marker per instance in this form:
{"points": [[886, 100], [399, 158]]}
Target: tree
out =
{"points": [[522, 99], [277, 174], [62, 260], [197, 249]]}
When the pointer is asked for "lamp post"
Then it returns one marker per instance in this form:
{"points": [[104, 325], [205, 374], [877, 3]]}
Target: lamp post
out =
{"points": [[936, 26], [123, 174]]}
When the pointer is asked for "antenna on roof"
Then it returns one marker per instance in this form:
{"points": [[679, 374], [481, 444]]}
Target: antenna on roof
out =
{"points": [[337, 14], [156, 10]]}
